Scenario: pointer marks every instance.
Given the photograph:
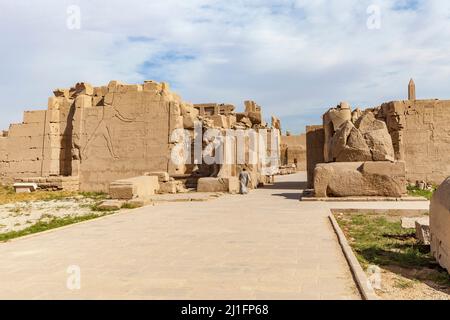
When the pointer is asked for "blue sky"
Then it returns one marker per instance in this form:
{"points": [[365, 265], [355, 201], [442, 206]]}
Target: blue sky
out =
{"points": [[295, 58]]}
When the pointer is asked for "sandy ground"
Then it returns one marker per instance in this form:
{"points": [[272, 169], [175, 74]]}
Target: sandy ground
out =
{"points": [[21, 215], [399, 286]]}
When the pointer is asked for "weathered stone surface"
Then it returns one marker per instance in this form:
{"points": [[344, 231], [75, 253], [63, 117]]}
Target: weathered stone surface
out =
{"points": [[440, 224], [315, 140], [113, 204], [255, 117], [168, 187], [83, 88], [162, 175], [190, 115], [356, 114], [423, 231], [410, 222], [348, 145], [367, 123], [419, 130], [391, 169], [218, 185], [138, 187], [138, 202], [332, 120], [25, 187], [346, 179], [377, 136], [367, 140]]}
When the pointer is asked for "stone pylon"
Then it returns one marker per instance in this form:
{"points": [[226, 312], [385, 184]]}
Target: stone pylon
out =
{"points": [[411, 90]]}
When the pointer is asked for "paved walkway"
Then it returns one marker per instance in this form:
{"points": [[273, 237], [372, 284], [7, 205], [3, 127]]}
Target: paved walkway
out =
{"points": [[267, 245]]}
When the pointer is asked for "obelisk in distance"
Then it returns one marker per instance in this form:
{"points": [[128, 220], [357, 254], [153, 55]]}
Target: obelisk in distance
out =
{"points": [[411, 90]]}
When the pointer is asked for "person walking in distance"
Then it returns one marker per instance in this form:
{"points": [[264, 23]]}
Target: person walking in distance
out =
{"points": [[244, 180]]}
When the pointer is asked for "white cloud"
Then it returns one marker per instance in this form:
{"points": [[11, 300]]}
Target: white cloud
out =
{"points": [[295, 58]]}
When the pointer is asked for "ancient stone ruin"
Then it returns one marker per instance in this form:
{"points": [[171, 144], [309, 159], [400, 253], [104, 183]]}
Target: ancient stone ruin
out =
{"points": [[410, 137], [293, 151], [90, 137], [440, 224], [360, 157]]}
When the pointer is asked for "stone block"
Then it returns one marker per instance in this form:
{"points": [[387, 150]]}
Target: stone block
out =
{"points": [[113, 204], [346, 179], [83, 101], [109, 98], [250, 106], [233, 185], [61, 93], [230, 184], [220, 121], [137, 187], [440, 224], [26, 129], [84, 88], [255, 117], [114, 85], [25, 187], [100, 91], [137, 203], [410, 222], [151, 86], [176, 122], [385, 168], [423, 231], [168, 187], [34, 116], [130, 88], [162, 175]]}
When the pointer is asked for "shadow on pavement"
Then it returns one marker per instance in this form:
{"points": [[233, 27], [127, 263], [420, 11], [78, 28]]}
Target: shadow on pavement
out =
{"points": [[288, 185], [289, 196]]}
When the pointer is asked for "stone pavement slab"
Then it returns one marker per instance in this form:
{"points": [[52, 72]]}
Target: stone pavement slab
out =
{"points": [[266, 245]]}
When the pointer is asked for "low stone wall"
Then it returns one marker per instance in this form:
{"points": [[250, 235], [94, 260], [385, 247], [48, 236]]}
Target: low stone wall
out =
{"points": [[53, 183]]}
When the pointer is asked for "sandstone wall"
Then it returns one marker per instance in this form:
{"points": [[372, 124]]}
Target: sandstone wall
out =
{"points": [[129, 135], [99, 134], [293, 151], [420, 130], [35, 147]]}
